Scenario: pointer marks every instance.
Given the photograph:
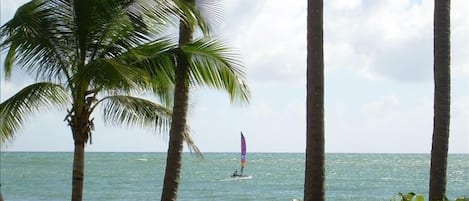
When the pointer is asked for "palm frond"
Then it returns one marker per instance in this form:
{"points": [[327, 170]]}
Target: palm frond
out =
{"points": [[111, 74], [134, 111], [33, 98], [39, 37], [213, 64], [191, 144], [120, 25], [158, 60], [211, 11], [192, 16]]}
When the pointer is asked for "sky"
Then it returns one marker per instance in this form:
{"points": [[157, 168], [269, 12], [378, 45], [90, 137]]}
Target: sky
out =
{"points": [[378, 83]]}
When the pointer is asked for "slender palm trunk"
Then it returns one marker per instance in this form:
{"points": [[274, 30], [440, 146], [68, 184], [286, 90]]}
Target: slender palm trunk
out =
{"points": [[441, 120], [78, 169], [80, 131], [314, 188], [78, 120], [179, 120]]}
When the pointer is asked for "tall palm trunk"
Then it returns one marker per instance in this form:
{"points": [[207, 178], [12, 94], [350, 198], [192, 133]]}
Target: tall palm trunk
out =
{"points": [[78, 169], [179, 119], [78, 120], [314, 188], [441, 120]]}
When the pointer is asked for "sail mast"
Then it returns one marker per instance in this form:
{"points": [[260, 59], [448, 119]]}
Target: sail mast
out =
{"points": [[243, 152]]}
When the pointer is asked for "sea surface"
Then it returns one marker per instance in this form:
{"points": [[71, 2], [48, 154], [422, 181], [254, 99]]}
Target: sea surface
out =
{"points": [[275, 176]]}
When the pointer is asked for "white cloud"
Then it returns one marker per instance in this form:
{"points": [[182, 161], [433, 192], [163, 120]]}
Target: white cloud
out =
{"points": [[399, 21], [392, 39], [344, 5], [378, 40], [272, 41]]}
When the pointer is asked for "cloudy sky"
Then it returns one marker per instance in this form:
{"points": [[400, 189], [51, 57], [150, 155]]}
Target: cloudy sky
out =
{"points": [[379, 83]]}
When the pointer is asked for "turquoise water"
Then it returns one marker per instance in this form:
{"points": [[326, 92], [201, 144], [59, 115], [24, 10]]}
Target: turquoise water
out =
{"points": [[276, 176]]}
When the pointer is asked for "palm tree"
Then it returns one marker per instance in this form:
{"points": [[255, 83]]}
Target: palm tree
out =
{"points": [[85, 54], [441, 120], [314, 189], [210, 63]]}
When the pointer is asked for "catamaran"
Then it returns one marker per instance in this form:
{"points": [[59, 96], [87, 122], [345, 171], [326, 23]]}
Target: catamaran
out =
{"points": [[241, 175]]}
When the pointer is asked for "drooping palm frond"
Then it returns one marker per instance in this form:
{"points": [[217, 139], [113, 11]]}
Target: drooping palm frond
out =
{"points": [[134, 111], [213, 64], [157, 58], [40, 38], [191, 143], [33, 98]]}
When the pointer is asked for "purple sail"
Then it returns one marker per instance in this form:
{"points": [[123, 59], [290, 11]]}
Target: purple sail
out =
{"points": [[243, 150]]}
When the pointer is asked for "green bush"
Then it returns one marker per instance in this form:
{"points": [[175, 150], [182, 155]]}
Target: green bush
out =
{"points": [[411, 196]]}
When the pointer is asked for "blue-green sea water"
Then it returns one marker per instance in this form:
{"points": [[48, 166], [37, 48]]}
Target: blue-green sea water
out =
{"points": [[276, 176]]}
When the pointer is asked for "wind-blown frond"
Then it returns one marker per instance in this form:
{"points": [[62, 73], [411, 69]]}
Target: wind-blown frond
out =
{"points": [[39, 37], [191, 144], [133, 111], [213, 64], [121, 25], [158, 60], [33, 98], [111, 74], [211, 11], [192, 17]]}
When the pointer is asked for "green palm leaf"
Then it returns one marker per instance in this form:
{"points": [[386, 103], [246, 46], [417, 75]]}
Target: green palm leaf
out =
{"points": [[39, 38], [213, 64], [157, 58], [110, 74], [33, 98], [133, 111], [191, 144]]}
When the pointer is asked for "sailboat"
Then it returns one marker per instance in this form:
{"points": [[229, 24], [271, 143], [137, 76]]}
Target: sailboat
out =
{"points": [[241, 175]]}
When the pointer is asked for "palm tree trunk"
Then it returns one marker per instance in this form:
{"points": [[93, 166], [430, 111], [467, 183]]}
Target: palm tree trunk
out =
{"points": [[78, 169], [79, 123], [314, 189], [179, 119], [441, 120]]}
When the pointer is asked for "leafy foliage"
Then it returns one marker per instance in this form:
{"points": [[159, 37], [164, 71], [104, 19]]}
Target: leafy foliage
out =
{"points": [[411, 196], [213, 64], [31, 99], [127, 110]]}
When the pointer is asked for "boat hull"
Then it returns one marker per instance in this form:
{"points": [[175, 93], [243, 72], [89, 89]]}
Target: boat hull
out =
{"points": [[241, 177]]}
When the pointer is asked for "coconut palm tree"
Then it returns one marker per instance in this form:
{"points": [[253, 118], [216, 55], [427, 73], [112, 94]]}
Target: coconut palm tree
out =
{"points": [[441, 120], [314, 188], [212, 64], [89, 53]]}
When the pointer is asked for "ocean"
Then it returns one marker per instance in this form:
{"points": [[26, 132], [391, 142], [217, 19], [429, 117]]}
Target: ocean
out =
{"points": [[275, 176]]}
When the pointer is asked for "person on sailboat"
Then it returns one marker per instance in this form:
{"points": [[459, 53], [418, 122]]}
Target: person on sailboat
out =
{"points": [[235, 173]]}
